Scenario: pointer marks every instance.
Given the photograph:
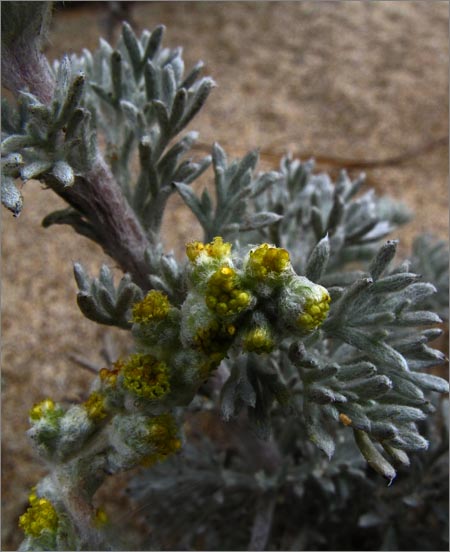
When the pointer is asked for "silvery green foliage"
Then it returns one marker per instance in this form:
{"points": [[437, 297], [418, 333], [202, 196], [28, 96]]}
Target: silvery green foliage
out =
{"points": [[364, 363], [313, 207], [234, 186], [54, 140], [100, 301], [141, 99], [166, 274], [359, 378], [319, 504], [136, 96], [431, 259]]}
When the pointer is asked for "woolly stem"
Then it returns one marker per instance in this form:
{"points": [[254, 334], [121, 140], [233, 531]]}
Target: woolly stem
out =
{"points": [[96, 194], [98, 197]]}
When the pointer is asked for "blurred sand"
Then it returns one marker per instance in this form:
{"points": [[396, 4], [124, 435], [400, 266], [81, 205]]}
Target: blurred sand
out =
{"points": [[353, 80]]}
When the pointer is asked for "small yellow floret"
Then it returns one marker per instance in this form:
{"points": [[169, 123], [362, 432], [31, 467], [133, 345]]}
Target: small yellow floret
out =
{"points": [[215, 338], [95, 406], [40, 516], [315, 312], [258, 340], [146, 376], [214, 342], [223, 295], [155, 306], [267, 260], [217, 249], [39, 410], [163, 435], [100, 518]]}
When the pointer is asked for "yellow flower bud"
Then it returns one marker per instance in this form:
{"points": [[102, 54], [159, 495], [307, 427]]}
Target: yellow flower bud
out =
{"points": [[154, 307], [315, 310], [163, 435], [40, 516], [258, 340], [217, 249], [95, 406], [40, 409], [146, 376], [267, 260], [223, 295]]}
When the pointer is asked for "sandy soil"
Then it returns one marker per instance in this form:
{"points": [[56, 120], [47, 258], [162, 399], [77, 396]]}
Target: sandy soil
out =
{"points": [[350, 80]]}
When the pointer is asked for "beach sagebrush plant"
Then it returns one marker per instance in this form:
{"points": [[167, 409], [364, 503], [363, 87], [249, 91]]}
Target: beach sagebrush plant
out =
{"points": [[291, 316]]}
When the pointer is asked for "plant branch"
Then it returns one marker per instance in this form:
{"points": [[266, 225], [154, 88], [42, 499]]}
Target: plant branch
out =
{"points": [[262, 523], [96, 193], [97, 196]]}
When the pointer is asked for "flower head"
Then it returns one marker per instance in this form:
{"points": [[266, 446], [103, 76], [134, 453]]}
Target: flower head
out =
{"points": [[154, 307], [40, 516], [46, 410], [42, 408], [315, 310], [163, 435], [223, 295], [145, 376], [217, 249], [266, 260], [258, 340], [95, 406], [214, 338], [303, 304]]}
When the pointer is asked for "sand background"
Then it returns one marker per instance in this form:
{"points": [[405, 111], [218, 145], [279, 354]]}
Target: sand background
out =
{"points": [[341, 80]]}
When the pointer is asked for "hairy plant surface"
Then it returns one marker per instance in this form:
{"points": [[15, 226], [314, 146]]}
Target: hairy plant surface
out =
{"points": [[291, 319]]}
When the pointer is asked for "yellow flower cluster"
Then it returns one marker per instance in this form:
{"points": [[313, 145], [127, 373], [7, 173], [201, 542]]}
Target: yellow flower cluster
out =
{"points": [[213, 341], [217, 249], [155, 306], [163, 435], [215, 338], [146, 376], [266, 260], [40, 516], [315, 312], [258, 340], [223, 295], [42, 408], [95, 406]]}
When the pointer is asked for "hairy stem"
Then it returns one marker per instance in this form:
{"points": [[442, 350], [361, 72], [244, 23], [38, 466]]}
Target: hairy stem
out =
{"points": [[98, 197], [95, 194]]}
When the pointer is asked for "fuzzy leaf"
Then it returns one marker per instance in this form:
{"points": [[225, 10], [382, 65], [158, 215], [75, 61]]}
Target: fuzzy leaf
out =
{"points": [[16, 142], [373, 456], [11, 197], [428, 381], [192, 202], [63, 172], [35, 169], [376, 350], [260, 220], [383, 258], [318, 260], [317, 432], [134, 49], [195, 103]]}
